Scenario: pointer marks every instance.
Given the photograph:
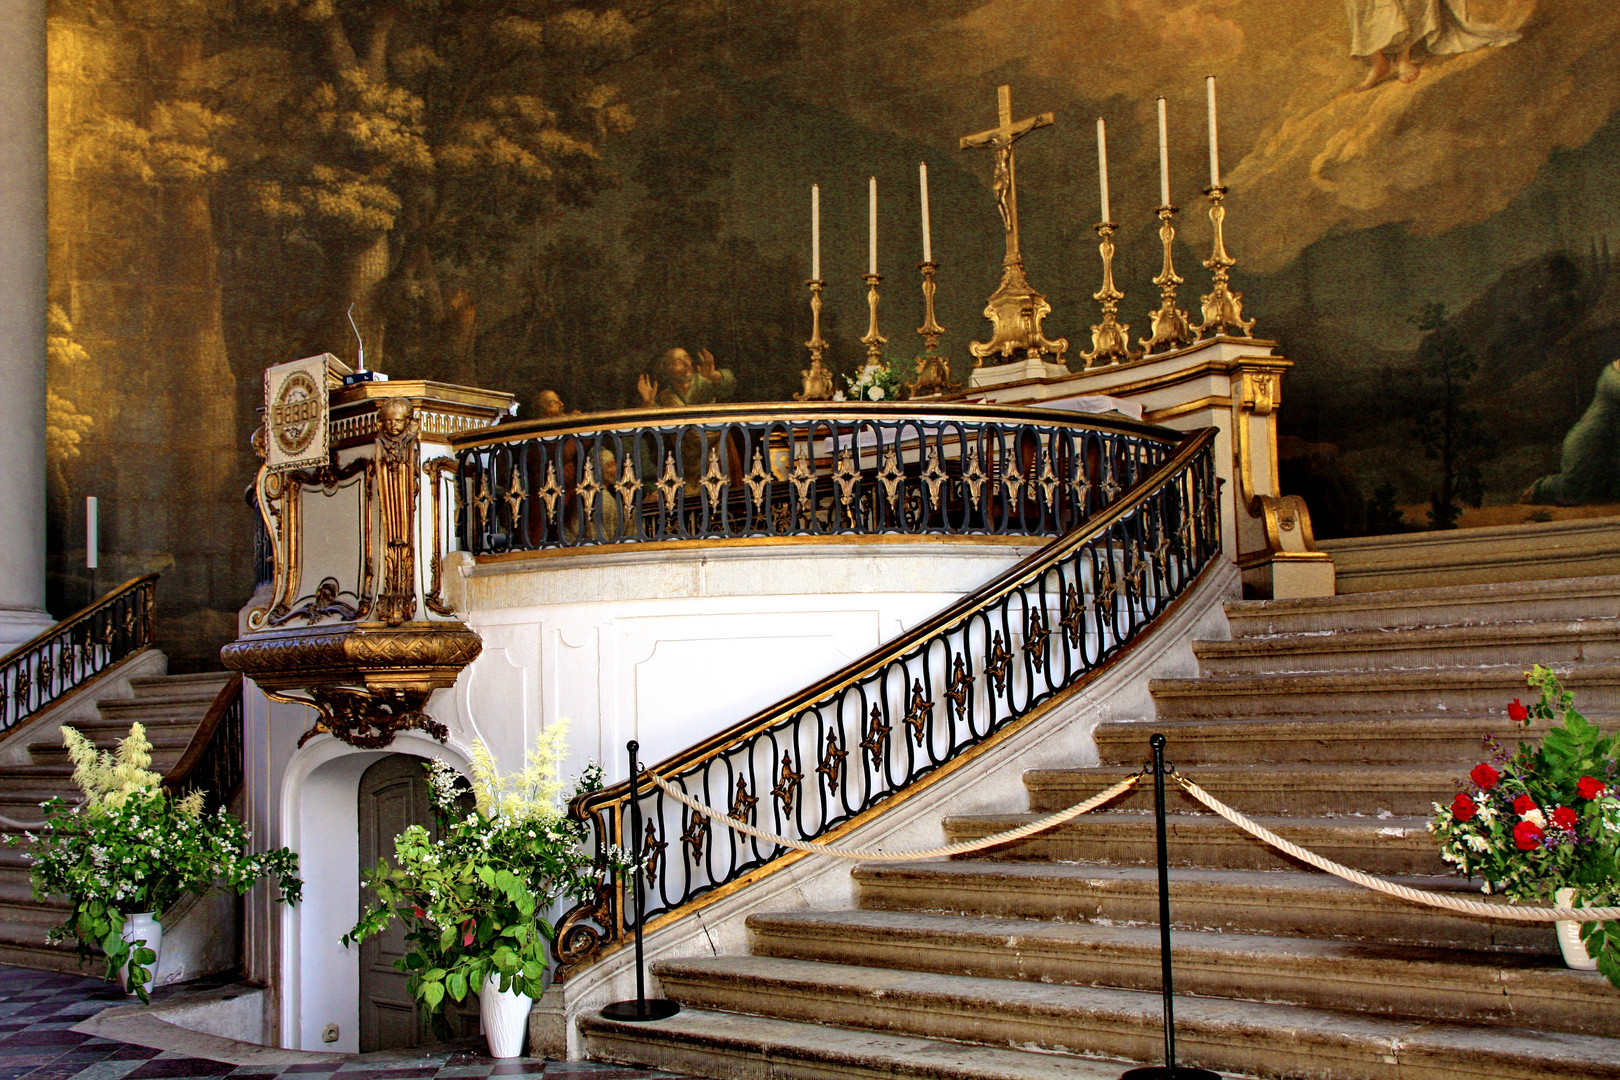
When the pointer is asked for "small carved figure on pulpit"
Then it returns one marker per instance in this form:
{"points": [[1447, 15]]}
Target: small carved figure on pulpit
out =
{"points": [[818, 383], [397, 480]]}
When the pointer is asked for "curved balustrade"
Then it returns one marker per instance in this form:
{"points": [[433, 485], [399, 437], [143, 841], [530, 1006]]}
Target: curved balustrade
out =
{"points": [[212, 761], [815, 764], [75, 650], [794, 471]]}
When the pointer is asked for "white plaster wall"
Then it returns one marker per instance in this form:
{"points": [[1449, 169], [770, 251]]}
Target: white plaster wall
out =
{"points": [[669, 647]]}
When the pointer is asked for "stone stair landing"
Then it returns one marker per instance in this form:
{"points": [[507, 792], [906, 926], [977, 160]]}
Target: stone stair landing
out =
{"points": [[1336, 722]]}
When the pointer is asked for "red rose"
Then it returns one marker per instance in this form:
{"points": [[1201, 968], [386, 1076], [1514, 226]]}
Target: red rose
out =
{"points": [[1564, 817], [1523, 805], [1485, 776], [1526, 837], [1517, 712], [1590, 787], [1463, 808]]}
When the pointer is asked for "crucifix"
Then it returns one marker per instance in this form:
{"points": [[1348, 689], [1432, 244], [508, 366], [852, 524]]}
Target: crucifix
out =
{"points": [[1015, 309]]}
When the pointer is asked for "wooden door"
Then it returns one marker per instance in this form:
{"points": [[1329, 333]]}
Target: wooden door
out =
{"points": [[393, 794]]}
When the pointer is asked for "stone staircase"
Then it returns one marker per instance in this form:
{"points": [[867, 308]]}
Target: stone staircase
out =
{"points": [[1337, 722], [171, 707]]}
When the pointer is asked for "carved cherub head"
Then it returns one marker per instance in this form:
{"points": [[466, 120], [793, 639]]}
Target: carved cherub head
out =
{"points": [[394, 416]]}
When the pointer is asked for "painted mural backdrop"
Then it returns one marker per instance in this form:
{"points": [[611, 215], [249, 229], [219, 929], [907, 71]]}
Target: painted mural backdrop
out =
{"points": [[546, 196]]}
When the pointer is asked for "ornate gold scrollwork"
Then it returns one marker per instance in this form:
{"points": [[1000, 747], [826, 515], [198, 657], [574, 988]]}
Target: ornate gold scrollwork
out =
{"points": [[890, 476], [695, 835], [1035, 640], [787, 784], [652, 851], [961, 686], [832, 762], [997, 664], [436, 470], [877, 736], [919, 712], [1073, 617], [742, 803], [933, 476]]}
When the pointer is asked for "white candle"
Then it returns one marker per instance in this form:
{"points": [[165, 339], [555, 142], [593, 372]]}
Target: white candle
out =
{"points": [[871, 205], [922, 179], [815, 232], [1214, 145], [1102, 165], [1164, 159], [92, 529]]}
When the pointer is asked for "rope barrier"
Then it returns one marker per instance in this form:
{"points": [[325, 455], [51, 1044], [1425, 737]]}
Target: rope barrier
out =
{"points": [[1368, 881], [1418, 896], [876, 855]]}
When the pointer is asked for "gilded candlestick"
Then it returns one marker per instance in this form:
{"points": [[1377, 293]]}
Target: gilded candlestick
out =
{"points": [[930, 329], [816, 344], [1170, 325], [818, 381], [1110, 339], [873, 340], [1222, 307]]}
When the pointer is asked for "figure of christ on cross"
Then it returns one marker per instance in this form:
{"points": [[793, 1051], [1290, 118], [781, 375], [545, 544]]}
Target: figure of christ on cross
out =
{"points": [[1005, 181], [1015, 309]]}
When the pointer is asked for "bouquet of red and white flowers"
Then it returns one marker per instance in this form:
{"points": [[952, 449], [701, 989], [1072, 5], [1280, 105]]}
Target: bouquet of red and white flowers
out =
{"points": [[1536, 820]]}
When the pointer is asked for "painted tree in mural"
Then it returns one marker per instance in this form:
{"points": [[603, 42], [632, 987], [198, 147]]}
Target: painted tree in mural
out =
{"points": [[413, 141], [1450, 429]]}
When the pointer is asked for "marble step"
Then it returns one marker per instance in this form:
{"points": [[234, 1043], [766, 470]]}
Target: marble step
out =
{"points": [[1436, 984], [698, 1042], [1427, 741], [168, 743], [1560, 642], [196, 684], [1395, 845], [1567, 598], [1213, 1033], [1229, 901], [1299, 790], [1473, 692]]}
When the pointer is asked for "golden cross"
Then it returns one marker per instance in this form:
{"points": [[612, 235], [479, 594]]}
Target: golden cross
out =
{"points": [[1000, 139]]}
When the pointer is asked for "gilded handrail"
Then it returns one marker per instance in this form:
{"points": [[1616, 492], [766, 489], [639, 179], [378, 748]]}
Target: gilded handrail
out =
{"points": [[833, 755], [792, 472], [86, 643], [212, 760]]}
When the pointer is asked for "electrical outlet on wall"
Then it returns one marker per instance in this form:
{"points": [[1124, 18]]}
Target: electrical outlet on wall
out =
{"points": [[329, 1033]]}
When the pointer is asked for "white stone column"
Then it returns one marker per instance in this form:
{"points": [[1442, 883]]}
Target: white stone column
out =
{"points": [[22, 321]]}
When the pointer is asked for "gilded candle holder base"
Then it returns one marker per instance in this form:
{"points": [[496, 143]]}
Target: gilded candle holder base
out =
{"points": [[873, 339], [818, 381], [1110, 339], [1171, 328], [1222, 306], [930, 329]]}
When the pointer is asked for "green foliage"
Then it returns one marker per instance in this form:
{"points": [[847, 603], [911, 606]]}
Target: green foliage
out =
{"points": [[1542, 819], [130, 848], [473, 900]]}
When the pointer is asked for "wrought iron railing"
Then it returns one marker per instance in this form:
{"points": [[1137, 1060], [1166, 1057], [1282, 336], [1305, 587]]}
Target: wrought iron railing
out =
{"points": [[212, 761], [793, 471], [76, 650], [818, 763]]}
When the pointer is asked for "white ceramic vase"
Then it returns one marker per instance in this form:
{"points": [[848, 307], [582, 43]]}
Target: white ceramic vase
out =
{"points": [[506, 1018], [143, 927], [1569, 935]]}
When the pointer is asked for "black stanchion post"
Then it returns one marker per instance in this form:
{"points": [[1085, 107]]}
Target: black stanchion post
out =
{"points": [[640, 1009], [1169, 1070]]}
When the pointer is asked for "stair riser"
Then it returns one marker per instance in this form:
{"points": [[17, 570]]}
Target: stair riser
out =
{"points": [[1285, 699], [166, 750], [1201, 844], [151, 712], [1307, 800], [1344, 742], [1439, 992], [1342, 915], [1250, 1047], [1245, 658], [1576, 599]]}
